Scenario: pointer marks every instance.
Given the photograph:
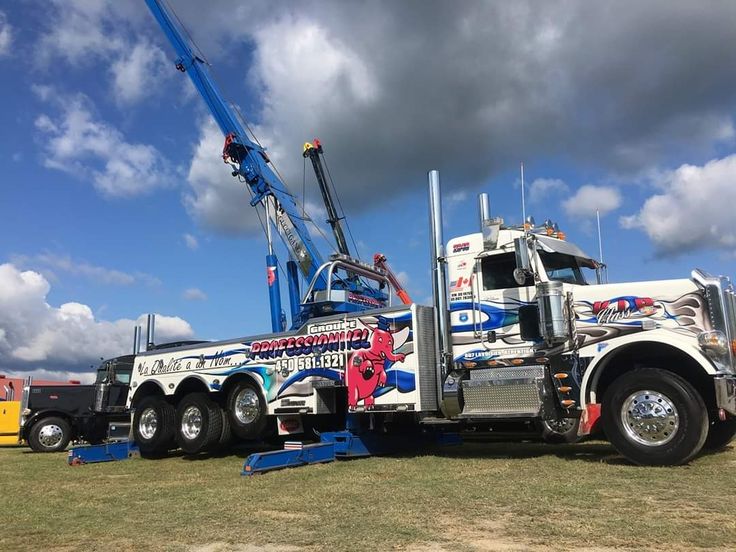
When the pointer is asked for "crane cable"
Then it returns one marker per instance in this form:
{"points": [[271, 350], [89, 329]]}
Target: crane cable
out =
{"points": [[339, 203]]}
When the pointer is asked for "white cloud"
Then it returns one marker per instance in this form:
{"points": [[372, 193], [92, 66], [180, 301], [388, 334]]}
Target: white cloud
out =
{"points": [[403, 278], [76, 143], [139, 73], [194, 294], [217, 199], [6, 35], [83, 31], [99, 274], [542, 188], [694, 210], [191, 242], [86, 32], [378, 87], [590, 198], [37, 335]]}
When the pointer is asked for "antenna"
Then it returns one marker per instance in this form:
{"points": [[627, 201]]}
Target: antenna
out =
{"points": [[523, 202], [600, 240]]}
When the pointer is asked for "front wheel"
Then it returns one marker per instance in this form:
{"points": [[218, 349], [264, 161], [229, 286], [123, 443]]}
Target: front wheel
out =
{"points": [[654, 417], [247, 411], [153, 426], [720, 434], [50, 434]]}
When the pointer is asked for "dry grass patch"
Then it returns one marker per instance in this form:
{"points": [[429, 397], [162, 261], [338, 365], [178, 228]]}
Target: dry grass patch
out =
{"points": [[481, 496]]}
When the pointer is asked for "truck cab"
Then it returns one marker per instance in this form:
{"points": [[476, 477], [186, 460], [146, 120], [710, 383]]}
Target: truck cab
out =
{"points": [[53, 415], [537, 335]]}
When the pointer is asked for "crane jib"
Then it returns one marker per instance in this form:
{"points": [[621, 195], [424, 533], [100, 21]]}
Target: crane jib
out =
{"points": [[253, 164]]}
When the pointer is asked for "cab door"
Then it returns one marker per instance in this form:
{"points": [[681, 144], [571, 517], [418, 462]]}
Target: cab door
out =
{"points": [[498, 298], [119, 385]]}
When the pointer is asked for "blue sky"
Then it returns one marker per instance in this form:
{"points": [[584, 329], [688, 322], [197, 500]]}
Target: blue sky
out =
{"points": [[115, 202]]}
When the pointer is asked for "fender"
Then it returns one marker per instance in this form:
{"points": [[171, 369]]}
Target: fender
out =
{"points": [[192, 377], [591, 409], [661, 336], [25, 428], [134, 396]]}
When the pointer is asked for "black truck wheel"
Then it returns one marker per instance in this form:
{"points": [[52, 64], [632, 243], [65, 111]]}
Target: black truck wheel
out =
{"points": [[198, 423], [247, 411], [153, 426], [654, 417], [720, 434], [226, 434], [50, 434], [560, 431]]}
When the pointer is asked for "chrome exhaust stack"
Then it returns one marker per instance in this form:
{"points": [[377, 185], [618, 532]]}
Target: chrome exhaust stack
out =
{"points": [[489, 226], [439, 283], [136, 339], [484, 209], [150, 329]]}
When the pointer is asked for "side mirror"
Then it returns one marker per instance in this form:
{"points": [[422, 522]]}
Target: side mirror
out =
{"points": [[529, 323], [523, 261]]}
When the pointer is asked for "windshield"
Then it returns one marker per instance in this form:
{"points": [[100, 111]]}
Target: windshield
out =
{"points": [[563, 268], [121, 373], [101, 374]]}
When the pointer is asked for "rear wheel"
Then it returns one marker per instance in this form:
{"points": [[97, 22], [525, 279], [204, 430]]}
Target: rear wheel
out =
{"points": [[226, 435], [50, 434], [198, 423], [654, 417], [720, 434], [153, 426], [247, 411]]}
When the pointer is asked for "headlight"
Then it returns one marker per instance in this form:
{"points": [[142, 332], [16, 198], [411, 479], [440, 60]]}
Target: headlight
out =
{"points": [[714, 342]]}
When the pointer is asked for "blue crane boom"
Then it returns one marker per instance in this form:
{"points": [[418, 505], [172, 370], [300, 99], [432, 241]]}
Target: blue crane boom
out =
{"points": [[249, 158], [328, 293]]}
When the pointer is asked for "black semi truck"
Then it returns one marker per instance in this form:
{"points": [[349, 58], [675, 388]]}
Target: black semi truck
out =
{"points": [[53, 415]]}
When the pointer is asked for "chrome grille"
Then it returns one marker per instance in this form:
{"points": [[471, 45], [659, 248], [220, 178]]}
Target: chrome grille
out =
{"points": [[730, 300], [721, 299]]}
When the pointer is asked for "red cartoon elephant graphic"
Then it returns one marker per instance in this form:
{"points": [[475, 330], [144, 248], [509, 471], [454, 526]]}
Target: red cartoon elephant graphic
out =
{"points": [[367, 369]]}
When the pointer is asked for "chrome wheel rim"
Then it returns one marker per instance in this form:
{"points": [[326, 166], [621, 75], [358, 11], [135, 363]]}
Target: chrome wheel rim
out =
{"points": [[50, 435], [650, 418], [148, 423], [561, 425], [247, 406], [191, 422]]}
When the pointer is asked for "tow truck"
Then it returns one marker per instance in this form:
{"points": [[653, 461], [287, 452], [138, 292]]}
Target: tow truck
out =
{"points": [[518, 333]]}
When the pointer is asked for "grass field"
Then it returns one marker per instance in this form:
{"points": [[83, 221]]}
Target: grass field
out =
{"points": [[479, 496]]}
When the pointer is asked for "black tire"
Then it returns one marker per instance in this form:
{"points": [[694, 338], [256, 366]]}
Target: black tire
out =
{"points": [[153, 426], [558, 432], [248, 422], [226, 435], [720, 434], [198, 423], [674, 436], [96, 434], [50, 434]]}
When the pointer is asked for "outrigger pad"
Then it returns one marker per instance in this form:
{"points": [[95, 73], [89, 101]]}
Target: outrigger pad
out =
{"points": [[106, 452], [293, 455], [341, 444]]}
